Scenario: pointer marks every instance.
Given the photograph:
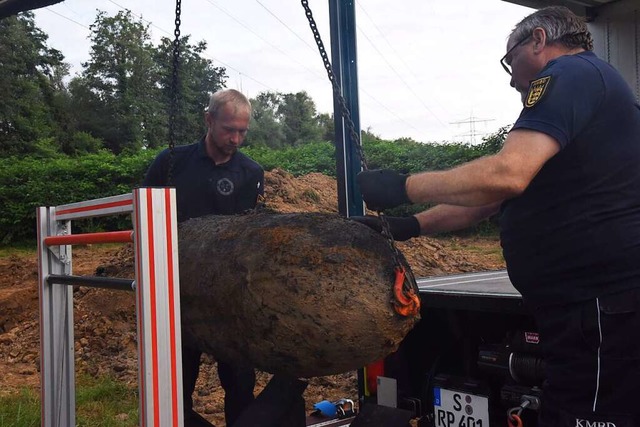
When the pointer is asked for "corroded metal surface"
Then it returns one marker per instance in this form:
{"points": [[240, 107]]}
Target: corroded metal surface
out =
{"points": [[301, 294]]}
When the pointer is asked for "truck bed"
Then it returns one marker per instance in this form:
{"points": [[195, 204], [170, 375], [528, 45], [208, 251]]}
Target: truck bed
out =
{"points": [[486, 291]]}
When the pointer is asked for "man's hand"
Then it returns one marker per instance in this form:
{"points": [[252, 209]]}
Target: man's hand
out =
{"points": [[383, 188], [401, 228]]}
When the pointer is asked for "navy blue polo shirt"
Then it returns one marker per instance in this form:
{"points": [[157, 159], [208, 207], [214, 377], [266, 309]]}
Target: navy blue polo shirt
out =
{"points": [[574, 233], [204, 188]]}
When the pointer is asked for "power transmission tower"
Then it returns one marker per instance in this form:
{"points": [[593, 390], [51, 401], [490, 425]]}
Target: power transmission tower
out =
{"points": [[472, 120]]}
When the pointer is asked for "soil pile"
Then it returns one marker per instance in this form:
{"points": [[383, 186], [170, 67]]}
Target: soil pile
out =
{"points": [[105, 336]]}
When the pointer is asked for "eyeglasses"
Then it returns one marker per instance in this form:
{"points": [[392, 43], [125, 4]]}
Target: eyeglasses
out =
{"points": [[503, 60]]}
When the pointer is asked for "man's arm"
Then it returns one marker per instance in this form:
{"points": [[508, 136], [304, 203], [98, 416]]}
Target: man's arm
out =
{"points": [[445, 218], [490, 179], [439, 219], [466, 194]]}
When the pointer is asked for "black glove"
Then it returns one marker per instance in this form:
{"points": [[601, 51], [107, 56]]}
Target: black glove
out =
{"points": [[401, 228], [383, 188]]}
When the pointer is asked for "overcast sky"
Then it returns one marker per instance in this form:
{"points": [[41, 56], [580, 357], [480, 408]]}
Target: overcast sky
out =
{"points": [[427, 69]]}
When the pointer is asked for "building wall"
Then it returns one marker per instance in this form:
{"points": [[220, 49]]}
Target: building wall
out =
{"points": [[616, 32]]}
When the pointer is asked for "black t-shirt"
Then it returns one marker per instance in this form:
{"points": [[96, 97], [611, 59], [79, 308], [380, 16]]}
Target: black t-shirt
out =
{"points": [[575, 232], [204, 188]]}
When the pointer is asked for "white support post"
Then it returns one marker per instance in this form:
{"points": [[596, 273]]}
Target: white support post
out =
{"points": [[157, 305], [57, 372]]}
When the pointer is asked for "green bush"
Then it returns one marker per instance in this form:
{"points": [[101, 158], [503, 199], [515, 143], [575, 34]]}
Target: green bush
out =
{"points": [[300, 160], [28, 183], [53, 179], [408, 156]]}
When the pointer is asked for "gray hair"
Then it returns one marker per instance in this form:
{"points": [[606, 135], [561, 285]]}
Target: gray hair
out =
{"points": [[559, 24], [228, 96]]}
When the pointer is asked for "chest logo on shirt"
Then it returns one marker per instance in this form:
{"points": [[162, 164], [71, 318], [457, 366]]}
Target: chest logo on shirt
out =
{"points": [[536, 91], [224, 186]]}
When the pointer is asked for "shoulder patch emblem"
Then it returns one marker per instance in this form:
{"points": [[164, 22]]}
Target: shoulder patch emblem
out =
{"points": [[536, 90]]}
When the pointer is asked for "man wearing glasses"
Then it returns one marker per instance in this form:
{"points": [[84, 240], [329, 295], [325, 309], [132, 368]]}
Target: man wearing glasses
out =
{"points": [[567, 186]]}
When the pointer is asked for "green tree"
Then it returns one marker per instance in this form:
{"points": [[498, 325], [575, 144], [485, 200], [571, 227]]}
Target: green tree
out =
{"points": [[327, 125], [198, 78], [287, 120], [67, 136], [493, 143], [299, 119], [29, 70], [119, 84], [266, 128], [89, 113]]}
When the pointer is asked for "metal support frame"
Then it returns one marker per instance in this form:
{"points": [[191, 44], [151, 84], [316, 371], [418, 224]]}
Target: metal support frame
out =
{"points": [[344, 64], [94, 282], [344, 61], [157, 302]]}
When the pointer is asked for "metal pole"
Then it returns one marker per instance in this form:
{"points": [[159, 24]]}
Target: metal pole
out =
{"points": [[92, 281], [158, 307], [89, 238], [344, 64], [57, 369]]}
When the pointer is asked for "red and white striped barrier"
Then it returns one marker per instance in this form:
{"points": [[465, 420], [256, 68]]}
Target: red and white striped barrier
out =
{"points": [[157, 290]]}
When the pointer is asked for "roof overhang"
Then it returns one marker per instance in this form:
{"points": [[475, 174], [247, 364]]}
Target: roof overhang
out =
{"points": [[12, 7], [580, 7]]}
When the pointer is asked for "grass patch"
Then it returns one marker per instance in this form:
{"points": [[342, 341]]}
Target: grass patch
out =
{"points": [[21, 409], [100, 402], [23, 249], [483, 248], [30, 248], [104, 402]]}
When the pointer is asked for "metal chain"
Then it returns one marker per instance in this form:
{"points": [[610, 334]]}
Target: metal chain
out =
{"points": [[336, 89], [386, 231], [175, 89]]}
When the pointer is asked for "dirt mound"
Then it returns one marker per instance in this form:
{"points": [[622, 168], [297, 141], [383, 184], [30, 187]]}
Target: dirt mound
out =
{"points": [[105, 336], [314, 192]]}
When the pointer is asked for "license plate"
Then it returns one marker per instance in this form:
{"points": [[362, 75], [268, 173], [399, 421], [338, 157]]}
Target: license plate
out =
{"points": [[457, 409]]}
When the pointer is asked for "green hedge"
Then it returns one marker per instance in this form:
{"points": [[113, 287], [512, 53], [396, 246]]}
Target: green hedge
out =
{"points": [[301, 160], [26, 183]]}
